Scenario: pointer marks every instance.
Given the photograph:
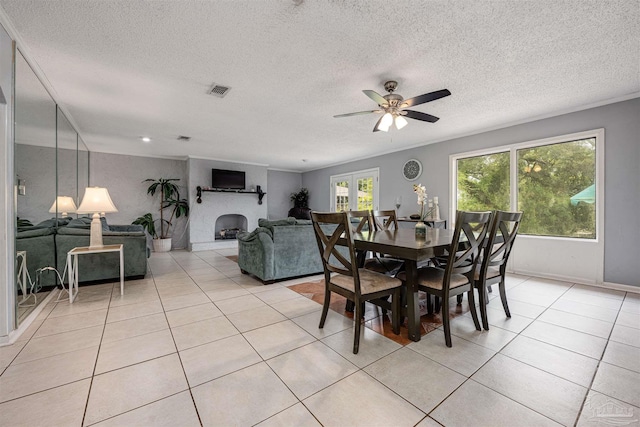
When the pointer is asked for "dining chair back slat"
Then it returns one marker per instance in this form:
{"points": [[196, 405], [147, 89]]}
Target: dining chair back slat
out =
{"points": [[384, 220]]}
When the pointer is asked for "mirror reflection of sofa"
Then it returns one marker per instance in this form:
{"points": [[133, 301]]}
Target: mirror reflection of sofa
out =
{"points": [[47, 245]]}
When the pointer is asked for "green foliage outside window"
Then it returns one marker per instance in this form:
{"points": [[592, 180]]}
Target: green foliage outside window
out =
{"points": [[548, 176], [365, 194]]}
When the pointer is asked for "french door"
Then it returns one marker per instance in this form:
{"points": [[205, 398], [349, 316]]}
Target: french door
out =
{"points": [[355, 190]]}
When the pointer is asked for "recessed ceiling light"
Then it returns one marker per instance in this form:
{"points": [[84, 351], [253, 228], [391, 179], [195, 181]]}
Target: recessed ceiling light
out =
{"points": [[145, 139]]}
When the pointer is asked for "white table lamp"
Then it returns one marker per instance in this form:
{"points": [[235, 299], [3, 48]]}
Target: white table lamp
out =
{"points": [[96, 200], [63, 204]]}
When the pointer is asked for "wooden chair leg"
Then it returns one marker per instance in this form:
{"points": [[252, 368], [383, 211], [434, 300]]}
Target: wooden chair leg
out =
{"points": [[459, 299], [472, 308], [503, 297], [357, 319], [445, 323], [482, 303], [437, 303], [325, 307], [395, 314]]}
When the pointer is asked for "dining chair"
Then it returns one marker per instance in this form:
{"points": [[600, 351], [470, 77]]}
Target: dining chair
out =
{"points": [[342, 275], [457, 276], [495, 254], [384, 220], [362, 221]]}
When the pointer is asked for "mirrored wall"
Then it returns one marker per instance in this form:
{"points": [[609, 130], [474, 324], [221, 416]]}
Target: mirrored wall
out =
{"points": [[51, 161]]}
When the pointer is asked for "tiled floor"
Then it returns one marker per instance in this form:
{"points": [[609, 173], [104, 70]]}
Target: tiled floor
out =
{"points": [[198, 343]]}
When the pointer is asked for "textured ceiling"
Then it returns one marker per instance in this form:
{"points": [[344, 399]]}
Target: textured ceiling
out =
{"points": [[127, 68]]}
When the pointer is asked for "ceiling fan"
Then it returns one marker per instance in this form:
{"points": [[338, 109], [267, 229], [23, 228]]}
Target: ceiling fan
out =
{"points": [[393, 106]]}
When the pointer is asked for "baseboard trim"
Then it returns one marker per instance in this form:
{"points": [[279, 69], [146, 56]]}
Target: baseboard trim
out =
{"points": [[16, 333], [581, 281], [621, 287]]}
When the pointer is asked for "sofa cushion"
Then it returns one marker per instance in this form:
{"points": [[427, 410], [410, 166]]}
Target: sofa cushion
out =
{"points": [[247, 237], [82, 222], [263, 222]]}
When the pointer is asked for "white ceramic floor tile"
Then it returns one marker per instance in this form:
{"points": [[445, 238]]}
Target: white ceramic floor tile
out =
{"points": [[242, 398], [526, 309], [134, 327], [604, 411], [202, 332], [65, 309], [9, 352], [43, 374], [531, 296], [463, 357], [631, 320], [308, 369], [277, 295], [273, 340], [297, 415], [227, 292], [60, 406], [588, 345], [296, 307], [596, 291], [476, 405], [494, 338], [239, 304], [373, 404], [576, 322], [176, 410], [256, 318], [623, 356], [334, 323], [40, 348], [121, 353], [213, 360], [131, 311], [618, 383], [540, 391], [631, 305], [497, 318], [182, 301], [593, 299], [626, 335], [195, 313], [416, 378], [555, 360], [152, 380], [71, 323], [174, 291], [373, 346], [587, 310]]}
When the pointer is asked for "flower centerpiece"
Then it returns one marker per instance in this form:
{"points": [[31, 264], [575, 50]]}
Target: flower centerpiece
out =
{"points": [[421, 227]]}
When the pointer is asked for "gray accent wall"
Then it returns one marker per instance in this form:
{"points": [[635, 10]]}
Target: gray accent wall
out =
{"points": [[281, 185], [37, 167], [621, 122], [123, 176]]}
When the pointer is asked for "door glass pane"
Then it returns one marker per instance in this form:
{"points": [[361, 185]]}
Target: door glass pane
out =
{"points": [[342, 196], [365, 193], [483, 182], [556, 189]]}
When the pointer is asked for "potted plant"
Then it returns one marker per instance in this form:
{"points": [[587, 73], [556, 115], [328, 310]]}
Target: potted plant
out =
{"points": [[170, 199], [300, 208]]}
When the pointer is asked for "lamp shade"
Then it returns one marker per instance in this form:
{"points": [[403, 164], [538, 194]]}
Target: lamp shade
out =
{"points": [[64, 204], [96, 199]]}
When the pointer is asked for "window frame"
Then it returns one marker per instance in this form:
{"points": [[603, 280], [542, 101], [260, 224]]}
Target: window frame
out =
{"points": [[352, 177], [598, 134]]}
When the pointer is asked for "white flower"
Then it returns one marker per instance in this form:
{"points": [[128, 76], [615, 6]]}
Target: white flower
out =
{"points": [[421, 191]]}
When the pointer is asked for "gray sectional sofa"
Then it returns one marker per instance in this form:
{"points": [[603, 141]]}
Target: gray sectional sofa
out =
{"points": [[47, 245], [279, 250]]}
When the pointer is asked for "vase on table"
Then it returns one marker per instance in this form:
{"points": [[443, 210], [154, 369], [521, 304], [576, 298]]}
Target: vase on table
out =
{"points": [[421, 230]]}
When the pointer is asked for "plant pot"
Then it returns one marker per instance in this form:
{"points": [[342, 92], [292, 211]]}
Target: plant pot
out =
{"points": [[300, 213], [162, 245]]}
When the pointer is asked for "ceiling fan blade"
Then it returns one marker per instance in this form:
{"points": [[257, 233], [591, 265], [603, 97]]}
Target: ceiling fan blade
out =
{"points": [[427, 97], [421, 116], [376, 97], [376, 128], [357, 114]]}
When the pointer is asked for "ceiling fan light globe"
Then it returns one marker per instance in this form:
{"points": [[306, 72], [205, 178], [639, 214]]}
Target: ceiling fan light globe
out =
{"points": [[401, 122], [387, 120]]}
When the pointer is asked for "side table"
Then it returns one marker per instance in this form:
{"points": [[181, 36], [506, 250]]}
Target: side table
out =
{"points": [[72, 265]]}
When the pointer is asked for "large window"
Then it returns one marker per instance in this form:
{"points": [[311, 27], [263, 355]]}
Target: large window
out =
{"points": [[355, 191], [552, 182]]}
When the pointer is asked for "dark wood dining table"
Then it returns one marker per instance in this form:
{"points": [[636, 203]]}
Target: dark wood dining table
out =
{"points": [[403, 244]]}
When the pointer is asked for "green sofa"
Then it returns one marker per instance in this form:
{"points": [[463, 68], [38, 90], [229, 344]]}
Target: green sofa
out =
{"points": [[279, 250], [47, 244]]}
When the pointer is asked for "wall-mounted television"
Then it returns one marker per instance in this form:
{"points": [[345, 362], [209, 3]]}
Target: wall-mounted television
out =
{"points": [[225, 179]]}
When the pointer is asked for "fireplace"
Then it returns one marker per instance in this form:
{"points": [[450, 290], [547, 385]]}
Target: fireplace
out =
{"points": [[229, 225]]}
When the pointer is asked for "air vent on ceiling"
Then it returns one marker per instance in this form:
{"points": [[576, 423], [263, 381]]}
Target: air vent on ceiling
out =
{"points": [[184, 138], [219, 90]]}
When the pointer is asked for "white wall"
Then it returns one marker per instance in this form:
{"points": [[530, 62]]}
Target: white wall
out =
{"points": [[281, 185], [622, 179], [123, 176], [204, 215]]}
